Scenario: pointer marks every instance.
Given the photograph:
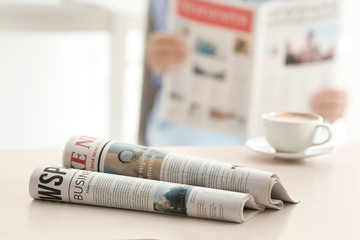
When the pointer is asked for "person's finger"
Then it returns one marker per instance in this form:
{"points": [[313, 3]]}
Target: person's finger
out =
{"points": [[330, 103], [165, 56]]}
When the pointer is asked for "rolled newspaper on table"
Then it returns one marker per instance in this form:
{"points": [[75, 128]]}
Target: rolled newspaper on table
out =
{"points": [[93, 188], [109, 156]]}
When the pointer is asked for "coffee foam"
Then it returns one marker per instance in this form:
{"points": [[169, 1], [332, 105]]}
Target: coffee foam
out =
{"points": [[292, 117]]}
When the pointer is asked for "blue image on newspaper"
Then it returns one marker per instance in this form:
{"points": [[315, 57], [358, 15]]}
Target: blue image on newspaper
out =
{"points": [[172, 198]]}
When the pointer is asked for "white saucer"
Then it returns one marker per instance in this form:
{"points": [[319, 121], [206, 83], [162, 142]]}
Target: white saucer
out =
{"points": [[260, 145]]}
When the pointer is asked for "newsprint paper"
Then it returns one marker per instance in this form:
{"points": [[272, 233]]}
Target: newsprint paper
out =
{"points": [[109, 190], [104, 155]]}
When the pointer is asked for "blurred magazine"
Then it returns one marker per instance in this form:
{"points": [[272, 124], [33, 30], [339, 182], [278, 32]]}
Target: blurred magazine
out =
{"points": [[246, 59], [104, 155]]}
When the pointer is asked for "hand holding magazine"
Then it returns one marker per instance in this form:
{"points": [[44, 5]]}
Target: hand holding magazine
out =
{"points": [[104, 155], [246, 59]]}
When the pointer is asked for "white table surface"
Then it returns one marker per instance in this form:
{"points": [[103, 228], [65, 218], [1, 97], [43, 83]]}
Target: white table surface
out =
{"points": [[328, 187]]}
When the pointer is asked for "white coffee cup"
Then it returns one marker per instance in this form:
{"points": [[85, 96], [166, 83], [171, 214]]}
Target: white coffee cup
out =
{"points": [[293, 132]]}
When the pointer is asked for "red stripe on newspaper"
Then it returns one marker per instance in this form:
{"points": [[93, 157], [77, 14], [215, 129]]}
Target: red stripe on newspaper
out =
{"points": [[216, 14]]}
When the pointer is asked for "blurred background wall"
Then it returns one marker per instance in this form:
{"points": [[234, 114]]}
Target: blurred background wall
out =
{"points": [[81, 70], [65, 66]]}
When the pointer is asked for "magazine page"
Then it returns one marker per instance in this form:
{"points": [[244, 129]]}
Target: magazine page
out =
{"points": [[210, 89], [92, 188], [296, 56], [96, 154]]}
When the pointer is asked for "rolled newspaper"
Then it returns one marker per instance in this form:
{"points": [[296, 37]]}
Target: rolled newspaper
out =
{"points": [[109, 156], [93, 188]]}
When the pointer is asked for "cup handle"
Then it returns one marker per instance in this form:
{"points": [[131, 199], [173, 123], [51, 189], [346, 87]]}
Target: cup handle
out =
{"points": [[328, 128]]}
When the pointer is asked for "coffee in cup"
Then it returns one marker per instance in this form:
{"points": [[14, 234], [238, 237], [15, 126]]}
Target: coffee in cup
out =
{"points": [[293, 132]]}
